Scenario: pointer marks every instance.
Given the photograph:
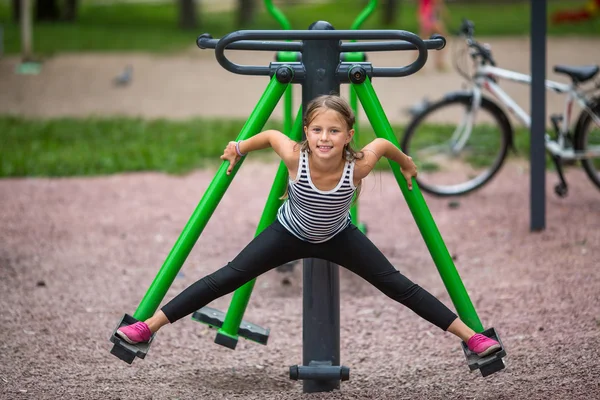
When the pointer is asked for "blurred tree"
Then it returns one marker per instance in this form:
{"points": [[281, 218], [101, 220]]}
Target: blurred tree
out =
{"points": [[70, 11], [390, 12], [46, 10], [49, 10], [246, 9], [187, 14]]}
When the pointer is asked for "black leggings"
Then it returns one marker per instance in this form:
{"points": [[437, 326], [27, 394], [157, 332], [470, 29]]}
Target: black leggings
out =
{"points": [[276, 246]]}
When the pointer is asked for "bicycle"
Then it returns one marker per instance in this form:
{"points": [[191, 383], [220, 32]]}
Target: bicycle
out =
{"points": [[458, 158]]}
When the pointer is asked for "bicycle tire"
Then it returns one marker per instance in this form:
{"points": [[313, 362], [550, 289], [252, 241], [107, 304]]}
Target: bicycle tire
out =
{"points": [[463, 99], [580, 138]]}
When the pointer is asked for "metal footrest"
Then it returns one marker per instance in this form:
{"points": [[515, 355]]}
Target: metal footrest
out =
{"points": [[489, 364], [320, 371], [215, 318], [126, 351]]}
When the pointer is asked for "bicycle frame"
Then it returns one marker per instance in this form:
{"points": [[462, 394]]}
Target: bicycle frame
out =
{"points": [[485, 78]]}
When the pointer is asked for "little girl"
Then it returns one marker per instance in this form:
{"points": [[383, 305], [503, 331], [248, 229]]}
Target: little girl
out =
{"points": [[314, 222]]}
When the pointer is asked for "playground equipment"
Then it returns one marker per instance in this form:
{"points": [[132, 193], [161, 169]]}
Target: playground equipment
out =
{"points": [[590, 10], [320, 71]]}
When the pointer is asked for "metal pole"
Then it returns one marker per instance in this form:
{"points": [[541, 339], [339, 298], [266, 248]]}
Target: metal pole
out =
{"points": [[321, 289], [26, 37], [538, 116]]}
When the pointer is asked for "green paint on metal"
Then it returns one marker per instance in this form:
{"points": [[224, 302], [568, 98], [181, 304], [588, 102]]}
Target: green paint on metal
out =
{"points": [[278, 15], [366, 12], [28, 68]]}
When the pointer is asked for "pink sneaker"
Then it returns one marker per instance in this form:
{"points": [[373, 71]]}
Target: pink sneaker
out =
{"points": [[135, 333], [482, 345]]}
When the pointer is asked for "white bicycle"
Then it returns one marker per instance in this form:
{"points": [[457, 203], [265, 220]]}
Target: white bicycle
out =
{"points": [[461, 141]]}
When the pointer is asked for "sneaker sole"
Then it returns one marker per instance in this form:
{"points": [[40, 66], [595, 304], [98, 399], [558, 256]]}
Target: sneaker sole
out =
{"points": [[125, 338], [492, 349]]}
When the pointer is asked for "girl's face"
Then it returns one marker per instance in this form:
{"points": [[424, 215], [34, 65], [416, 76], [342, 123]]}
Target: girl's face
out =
{"points": [[327, 134]]}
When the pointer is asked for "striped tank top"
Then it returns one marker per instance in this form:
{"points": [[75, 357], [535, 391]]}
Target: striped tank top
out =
{"points": [[315, 215]]}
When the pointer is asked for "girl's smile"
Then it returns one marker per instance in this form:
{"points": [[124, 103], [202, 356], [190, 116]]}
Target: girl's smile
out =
{"points": [[327, 134]]}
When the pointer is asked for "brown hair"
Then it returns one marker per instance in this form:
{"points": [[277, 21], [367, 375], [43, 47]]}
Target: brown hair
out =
{"points": [[341, 106]]}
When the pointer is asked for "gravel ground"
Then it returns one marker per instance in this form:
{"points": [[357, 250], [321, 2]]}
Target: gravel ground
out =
{"points": [[76, 254]]}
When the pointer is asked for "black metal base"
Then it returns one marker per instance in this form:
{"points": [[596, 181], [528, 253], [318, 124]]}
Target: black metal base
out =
{"points": [[215, 318], [320, 371], [489, 364], [126, 351]]}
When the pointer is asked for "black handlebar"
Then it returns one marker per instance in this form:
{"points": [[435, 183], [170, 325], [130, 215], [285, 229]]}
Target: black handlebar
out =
{"points": [[261, 40], [467, 29]]}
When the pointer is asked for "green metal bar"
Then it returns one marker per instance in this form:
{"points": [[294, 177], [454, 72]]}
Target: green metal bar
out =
{"points": [[284, 56], [287, 111], [358, 57], [278, 15], [420, 211], [366, 12], [354, 106], [211, 198], [287, 56], [241, 297]]}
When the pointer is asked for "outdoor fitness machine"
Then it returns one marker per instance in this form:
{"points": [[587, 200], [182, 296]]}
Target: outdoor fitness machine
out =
{"points": [[321, 71]]}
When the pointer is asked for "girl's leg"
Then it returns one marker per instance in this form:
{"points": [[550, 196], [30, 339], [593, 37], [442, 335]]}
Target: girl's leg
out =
{"points": [[271, 248], [354, 251], [461, 330]]}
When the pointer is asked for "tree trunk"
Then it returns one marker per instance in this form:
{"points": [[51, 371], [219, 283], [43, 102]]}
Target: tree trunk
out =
{"points": [[187, 14], [16, 10], [245, 12], [70, 12], [390, 9], [47, 10]]}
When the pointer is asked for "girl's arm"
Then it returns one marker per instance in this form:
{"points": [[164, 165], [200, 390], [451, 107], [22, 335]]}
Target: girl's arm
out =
{"points": [[283, 146], [378, 148]]}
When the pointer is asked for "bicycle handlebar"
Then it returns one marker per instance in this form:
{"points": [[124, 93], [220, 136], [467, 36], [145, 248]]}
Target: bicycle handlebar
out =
{"points": [[261, 40], [467, 29]]}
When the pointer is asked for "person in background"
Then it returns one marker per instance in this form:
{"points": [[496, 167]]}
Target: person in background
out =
{"points": [[431, 16]]}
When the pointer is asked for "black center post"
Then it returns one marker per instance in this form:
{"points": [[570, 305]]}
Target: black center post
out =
{"points": [[321, 285]]}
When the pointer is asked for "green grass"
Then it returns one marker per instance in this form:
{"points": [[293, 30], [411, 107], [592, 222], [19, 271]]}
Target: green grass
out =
{"points": [[67, 147], [152, 26], [101, 146]]}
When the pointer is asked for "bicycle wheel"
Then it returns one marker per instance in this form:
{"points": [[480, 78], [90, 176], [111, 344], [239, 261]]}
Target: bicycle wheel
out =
{"points": [[587, 136], [455, 149]]}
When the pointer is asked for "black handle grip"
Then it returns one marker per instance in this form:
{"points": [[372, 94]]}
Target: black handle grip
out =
{"points": [[436, 42], [261, 40], [205, 41]]}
